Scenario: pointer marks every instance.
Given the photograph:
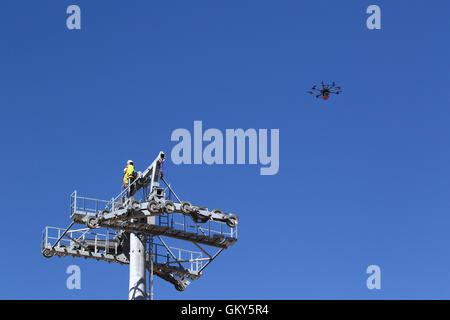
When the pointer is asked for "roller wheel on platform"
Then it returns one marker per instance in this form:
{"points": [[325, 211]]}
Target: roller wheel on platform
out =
{"points": [[179, 287], [104, 213], [186, 207], [232, 221], [169, 206], [92, 222], [153, 206], [135, 205], [47, 253], [198, 217]]}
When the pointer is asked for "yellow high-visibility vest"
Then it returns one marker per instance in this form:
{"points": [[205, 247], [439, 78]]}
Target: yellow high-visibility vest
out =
{"points": [[128, 173]]}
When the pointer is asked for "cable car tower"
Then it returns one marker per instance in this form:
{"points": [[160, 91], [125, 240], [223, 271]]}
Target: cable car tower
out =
{"points": [[135, 230]]}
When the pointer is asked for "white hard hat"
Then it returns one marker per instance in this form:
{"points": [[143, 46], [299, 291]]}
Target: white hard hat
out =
{"points": [[129, 161]]}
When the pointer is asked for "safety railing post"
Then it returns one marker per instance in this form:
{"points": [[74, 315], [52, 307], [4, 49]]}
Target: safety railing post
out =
{"points": [[107, 242], [75, 201], [46, 236]]}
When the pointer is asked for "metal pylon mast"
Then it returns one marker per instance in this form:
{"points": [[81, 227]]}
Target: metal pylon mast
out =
{"points": [[134, 230]]}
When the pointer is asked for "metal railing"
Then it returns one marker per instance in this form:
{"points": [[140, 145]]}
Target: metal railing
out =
{"points": [[171, 256], [86, 206], [81, 239], [182, 222], [177, 221], [93, 241]]}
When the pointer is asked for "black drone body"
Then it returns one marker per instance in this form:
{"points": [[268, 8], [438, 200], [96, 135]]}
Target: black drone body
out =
{"points": [[326, 90]]}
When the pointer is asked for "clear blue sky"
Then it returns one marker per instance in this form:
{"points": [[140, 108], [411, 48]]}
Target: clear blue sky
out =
{"points": [[364, 177]]}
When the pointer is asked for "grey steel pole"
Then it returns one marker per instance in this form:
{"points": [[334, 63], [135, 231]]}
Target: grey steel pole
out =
{"points": [[151, 220], [150, 282], [137, 290]]}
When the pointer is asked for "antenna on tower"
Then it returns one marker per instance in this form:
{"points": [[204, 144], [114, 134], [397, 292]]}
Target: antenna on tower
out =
{"points": [[136, 229]]}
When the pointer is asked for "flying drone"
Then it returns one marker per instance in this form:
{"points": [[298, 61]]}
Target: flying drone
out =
{"points": [[325, 91]]}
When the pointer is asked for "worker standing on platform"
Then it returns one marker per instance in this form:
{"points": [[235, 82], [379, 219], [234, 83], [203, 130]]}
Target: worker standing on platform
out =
{"points": [[129, 175]]}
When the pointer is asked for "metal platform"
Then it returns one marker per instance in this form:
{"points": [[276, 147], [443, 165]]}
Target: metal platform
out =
{"points": [[177, 224], [113, 247]]}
